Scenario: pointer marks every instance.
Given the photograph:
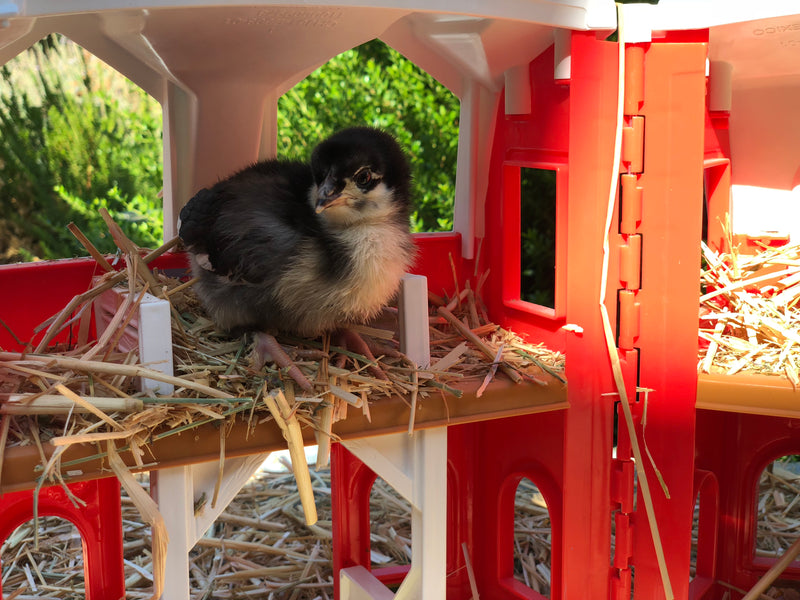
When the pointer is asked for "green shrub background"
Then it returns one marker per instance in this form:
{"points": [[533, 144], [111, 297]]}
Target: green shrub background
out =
{"points": [[76, 136]]}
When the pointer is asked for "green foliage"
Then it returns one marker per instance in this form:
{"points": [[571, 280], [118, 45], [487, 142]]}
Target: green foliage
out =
{"points": [[373, 84], [73, 140], [538, 250]]}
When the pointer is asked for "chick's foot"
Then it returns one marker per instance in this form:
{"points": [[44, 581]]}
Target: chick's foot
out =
{"points": [[351, 340], [267, 349]]}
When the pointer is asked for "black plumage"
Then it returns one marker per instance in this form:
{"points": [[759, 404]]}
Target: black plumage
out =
{"points": [[304, 248]]}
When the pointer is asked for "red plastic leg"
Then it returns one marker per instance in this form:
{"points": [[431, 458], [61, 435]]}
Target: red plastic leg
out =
{"points": [[99, 522], [351, 483]]}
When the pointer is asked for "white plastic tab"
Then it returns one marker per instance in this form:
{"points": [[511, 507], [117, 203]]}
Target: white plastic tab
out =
{"points": [[562, 69], [150, 333], [414, 333], [719, 85]]}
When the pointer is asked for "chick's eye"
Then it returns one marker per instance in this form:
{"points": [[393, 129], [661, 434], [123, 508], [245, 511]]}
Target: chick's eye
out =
{"points": [[363, 177]]}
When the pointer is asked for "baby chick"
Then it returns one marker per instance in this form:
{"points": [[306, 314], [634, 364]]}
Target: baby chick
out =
{"points": [[304, 249]]}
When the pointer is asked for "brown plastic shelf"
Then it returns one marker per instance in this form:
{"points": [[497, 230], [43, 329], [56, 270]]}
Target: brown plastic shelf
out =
{"points": [[745, 393], [389, 415]]}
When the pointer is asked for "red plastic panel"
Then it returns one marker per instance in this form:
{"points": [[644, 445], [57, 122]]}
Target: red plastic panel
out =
{"points": [[99, 523], [538, 140], [735, 448], [30, 293]]}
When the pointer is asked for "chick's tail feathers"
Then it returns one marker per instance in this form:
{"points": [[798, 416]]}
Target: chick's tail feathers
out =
{"points": [[196, 216]]}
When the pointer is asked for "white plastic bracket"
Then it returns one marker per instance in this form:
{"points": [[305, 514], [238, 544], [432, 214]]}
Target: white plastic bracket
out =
{"points": [[175, 490], [417, 468]]}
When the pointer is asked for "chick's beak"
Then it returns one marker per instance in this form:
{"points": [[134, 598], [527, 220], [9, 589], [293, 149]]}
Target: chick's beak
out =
{"points": [[328, 196]]}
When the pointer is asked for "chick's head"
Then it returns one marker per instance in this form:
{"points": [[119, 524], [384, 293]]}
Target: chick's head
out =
{"points": [[360, 175]]}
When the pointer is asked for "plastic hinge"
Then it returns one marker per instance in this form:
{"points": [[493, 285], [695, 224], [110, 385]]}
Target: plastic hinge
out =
{"points": [[621, 585], [622, 485], [631, 204], [628, 319], [634, 79], [633, 145], [623, 541], [630, 262]]}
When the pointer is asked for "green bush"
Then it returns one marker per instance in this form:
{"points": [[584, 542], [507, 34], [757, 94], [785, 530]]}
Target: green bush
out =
{"points": [[74, 139]]}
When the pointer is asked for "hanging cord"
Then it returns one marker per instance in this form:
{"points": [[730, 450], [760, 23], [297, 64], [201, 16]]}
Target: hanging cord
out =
{"points": [[609, 336]]}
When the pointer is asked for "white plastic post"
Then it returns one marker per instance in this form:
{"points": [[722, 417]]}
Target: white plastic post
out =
{"points": [[179, 116], [413, 309], [151, 331], [720, 78], [175, 490], [562, 67], [155, 347]]}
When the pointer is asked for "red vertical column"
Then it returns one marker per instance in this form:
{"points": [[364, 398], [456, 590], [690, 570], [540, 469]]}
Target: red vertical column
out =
{"points": [[670, 179], [351, 482], [589, 420]]}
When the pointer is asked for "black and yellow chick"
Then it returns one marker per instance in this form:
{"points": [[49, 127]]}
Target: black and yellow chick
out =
{"points": [[301, 248]]}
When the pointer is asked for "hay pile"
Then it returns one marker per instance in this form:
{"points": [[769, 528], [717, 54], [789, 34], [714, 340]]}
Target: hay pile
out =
{"points": [[240, 556], [749, 314]]}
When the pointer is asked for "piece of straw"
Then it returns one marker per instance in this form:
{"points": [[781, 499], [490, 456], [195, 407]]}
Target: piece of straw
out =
{"points": [[90, 366], [466, 332], [290, 428], [90, 248], [774, 572]]}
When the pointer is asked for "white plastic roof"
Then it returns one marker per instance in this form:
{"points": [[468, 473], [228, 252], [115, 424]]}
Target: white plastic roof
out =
{"points": [[218, 68], [280, 43]]}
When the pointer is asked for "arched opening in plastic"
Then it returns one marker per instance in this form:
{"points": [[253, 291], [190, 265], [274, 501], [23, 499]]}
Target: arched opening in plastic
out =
{"points": [[56, 563], [532, 538], [390, 532], [373, 84], [778, 508], [76, 136]]}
